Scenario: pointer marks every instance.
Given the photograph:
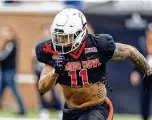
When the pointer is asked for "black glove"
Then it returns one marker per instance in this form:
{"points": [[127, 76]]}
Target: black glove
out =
{"points": [[59, 64], [147, 82]]}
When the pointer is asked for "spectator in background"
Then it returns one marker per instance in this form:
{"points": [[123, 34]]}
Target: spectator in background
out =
{"points": [[145, 47], [8, 55], [50, 99]]}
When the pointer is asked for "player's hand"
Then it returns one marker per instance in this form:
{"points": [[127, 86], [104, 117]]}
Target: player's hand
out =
{"points": [[135, 78], [59, 64], [147, 82]]}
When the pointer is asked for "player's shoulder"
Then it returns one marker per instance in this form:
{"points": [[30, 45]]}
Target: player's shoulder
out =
{"points": [[105, 45], [41, 44], [103, 36], [104, 40], [40, 50]]}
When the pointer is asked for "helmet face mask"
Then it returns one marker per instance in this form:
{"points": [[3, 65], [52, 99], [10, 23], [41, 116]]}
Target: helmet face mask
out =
{"points": [[68, 30], [65, 43], [62, 39]]}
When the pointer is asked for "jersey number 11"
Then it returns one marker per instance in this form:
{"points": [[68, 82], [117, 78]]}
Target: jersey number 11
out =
{"points": [[82, 73]]}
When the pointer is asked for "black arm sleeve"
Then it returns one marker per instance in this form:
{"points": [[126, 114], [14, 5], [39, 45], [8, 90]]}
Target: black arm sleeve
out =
{"points": [[106, 46]]}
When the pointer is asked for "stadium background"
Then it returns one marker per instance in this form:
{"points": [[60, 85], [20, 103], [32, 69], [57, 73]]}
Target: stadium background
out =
{"points": [[105, 17]]}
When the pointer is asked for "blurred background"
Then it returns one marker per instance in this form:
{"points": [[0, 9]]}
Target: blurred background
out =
{"points": [[23, 24]]}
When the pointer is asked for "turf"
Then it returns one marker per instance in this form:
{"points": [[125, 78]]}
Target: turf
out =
{"points": [[127, 117], [7, 113]]}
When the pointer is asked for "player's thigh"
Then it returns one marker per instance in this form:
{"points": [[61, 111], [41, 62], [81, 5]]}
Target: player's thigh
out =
{"points": [[93, 115]]}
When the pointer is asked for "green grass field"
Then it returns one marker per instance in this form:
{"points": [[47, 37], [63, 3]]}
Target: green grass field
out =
{"points": [[6, 113], [127, 117]]}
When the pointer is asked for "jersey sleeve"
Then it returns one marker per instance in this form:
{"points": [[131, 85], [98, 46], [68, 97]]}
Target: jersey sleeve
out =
{"points": [[106, 46], [42, 56]]}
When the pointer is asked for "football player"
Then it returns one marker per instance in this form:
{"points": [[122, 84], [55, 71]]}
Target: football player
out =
{"points": [[77, 61]]}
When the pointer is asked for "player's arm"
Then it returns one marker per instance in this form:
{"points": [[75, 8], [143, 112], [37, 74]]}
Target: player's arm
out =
{"points": [[47, 79], [52, 69], [124, 51], [111, 51]]}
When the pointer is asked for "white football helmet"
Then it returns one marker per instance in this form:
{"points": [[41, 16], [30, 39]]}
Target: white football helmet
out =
{"points": [[68, 30]]}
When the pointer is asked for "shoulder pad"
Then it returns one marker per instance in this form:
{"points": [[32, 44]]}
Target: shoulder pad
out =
{"points": [[103, 40], [41, 53], [105, 45]]}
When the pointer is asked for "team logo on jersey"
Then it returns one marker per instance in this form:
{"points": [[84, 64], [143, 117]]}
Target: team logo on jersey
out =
{"points": [[92, 49]]}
